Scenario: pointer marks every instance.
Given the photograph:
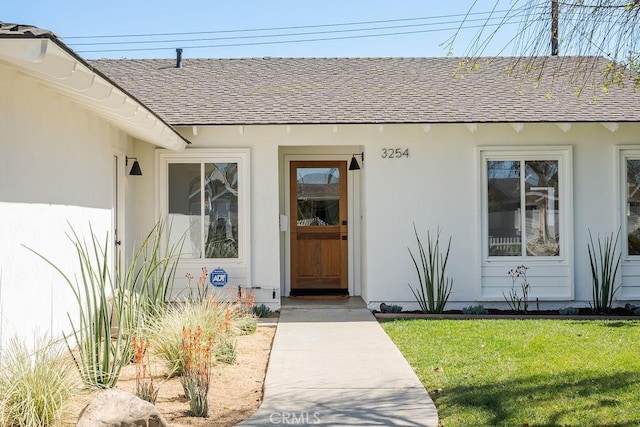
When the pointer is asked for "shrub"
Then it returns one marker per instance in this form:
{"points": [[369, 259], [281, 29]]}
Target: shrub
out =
{"points": [[568, 311], [37, 384], [261, 310], [604, 269], [475, 309], [434, 287], [390, 308]]}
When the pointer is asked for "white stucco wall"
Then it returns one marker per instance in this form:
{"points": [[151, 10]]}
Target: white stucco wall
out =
{"points": [[56, 172], [436, 186]]}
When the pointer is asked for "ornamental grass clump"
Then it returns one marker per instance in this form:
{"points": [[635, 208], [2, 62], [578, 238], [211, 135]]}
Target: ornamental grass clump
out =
{"points": [[434, 287], [604, 269], [245, 321], [37, 384], [166, 332], [197, 370], [225, 347], [220, 320]]}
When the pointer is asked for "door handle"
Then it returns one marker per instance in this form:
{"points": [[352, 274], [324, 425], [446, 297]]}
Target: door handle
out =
{"points": [[344, 237]]}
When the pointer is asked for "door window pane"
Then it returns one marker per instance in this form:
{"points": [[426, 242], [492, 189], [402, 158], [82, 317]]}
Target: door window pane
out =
{"points": [[318, 196], [633, 206], [542, 208], [504, 208]]}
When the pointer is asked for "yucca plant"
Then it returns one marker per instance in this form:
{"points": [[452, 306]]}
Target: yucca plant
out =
{"points": [[434, 287], [99, 356], [37, 384], [604, 269], [111, 310], [152, 270]]}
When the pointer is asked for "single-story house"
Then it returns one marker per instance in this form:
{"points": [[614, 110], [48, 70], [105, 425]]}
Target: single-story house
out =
{"points": [[508, 160], [67, 134], [305, 176]]}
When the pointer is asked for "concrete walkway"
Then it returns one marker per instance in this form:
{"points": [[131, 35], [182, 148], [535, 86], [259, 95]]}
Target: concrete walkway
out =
{"points": [[332, 364]]}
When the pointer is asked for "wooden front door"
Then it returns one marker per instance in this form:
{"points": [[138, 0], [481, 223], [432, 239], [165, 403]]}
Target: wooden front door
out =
{"points": [[319, 228]]}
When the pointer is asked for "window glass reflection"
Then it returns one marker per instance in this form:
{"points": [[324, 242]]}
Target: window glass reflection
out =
{"points": [[318, 196]]}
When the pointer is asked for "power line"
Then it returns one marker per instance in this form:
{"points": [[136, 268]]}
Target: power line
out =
{"points": [[257, 43], [264, 36], [281, 28]]}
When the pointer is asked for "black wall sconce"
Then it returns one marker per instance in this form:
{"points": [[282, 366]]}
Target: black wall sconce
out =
{"points": [[354, 166], [135, 168]]}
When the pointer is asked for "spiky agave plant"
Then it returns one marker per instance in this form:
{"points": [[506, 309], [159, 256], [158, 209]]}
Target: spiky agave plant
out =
{"points": [[434, 287], [604, 270]]}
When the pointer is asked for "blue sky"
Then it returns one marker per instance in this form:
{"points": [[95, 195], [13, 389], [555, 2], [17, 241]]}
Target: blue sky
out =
{"points": [[429, 24]]}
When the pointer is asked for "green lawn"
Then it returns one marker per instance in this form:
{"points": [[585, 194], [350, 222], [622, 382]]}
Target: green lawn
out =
{"points": [[526, 372]]}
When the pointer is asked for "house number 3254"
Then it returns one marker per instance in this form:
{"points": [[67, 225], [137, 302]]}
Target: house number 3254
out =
{"points": [[394, 153]]}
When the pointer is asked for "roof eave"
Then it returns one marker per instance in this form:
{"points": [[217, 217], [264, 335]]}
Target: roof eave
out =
{"points": [[391, 122], [47, 59]]}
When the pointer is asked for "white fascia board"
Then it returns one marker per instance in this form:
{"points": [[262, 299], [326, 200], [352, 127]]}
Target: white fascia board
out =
{"points": [[610, 126], [48, 63], [33, 50]]}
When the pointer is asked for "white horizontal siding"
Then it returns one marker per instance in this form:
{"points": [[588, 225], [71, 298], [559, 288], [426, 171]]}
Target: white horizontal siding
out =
{"points": [[547, 282], [630, 281]]}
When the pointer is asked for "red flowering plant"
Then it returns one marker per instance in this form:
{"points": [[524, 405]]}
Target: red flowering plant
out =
{"points": [[145, 389], [197, 370]]}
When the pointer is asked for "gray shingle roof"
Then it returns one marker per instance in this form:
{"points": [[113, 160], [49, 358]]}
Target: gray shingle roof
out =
{"points": [[18, 30], [372, 90]]}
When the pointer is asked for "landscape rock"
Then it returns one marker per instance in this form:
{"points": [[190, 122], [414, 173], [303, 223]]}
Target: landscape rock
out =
{"points": [[117, 408]]}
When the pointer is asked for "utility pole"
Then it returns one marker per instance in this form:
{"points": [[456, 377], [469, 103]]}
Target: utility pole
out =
{"points": [[554, 27]]}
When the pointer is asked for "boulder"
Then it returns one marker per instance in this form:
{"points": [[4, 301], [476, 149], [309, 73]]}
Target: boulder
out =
{"points": [[117, 408]]}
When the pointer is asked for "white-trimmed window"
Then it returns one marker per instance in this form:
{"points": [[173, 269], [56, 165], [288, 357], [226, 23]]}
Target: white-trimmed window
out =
{"points": [[205, 195], [524, 202], [631, 174]]}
